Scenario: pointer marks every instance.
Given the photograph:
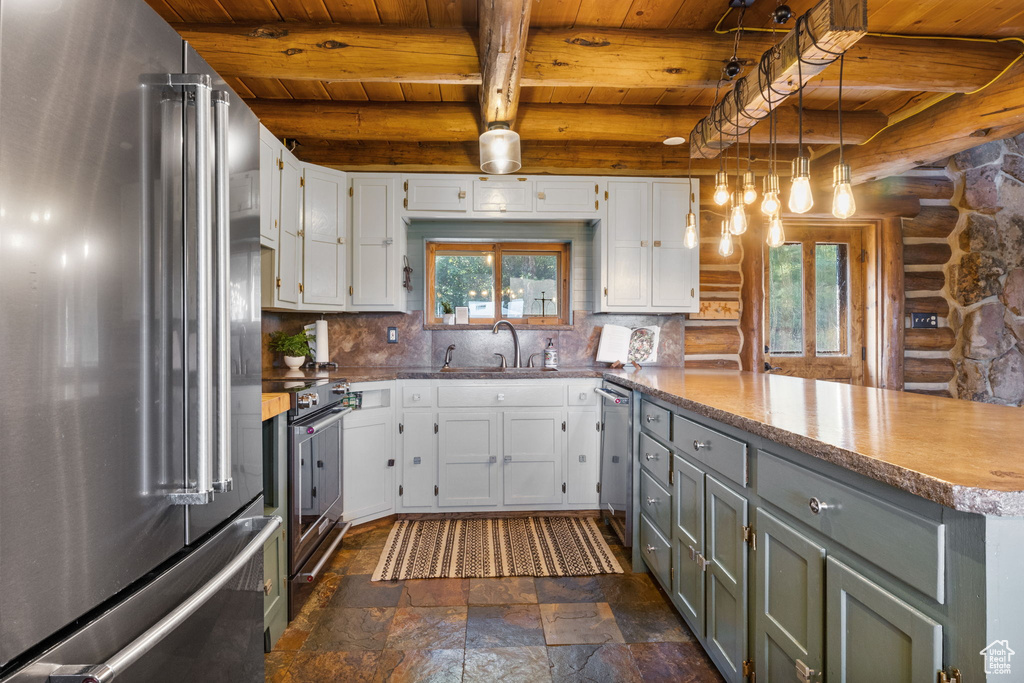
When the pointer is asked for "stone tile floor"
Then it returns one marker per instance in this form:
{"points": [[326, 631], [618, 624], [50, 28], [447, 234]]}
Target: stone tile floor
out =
{"points": [[617, 628]]}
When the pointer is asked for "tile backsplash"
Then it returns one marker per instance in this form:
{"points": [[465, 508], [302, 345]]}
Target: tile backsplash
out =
{"points": [[361, 339]]}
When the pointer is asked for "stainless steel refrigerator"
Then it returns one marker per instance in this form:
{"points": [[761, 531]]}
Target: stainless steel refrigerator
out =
{"points": [[131, 514]]}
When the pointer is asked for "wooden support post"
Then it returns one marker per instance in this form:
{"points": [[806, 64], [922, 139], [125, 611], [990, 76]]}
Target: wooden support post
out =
{"points": [[503, 28], [829, 28], [752, 296]]}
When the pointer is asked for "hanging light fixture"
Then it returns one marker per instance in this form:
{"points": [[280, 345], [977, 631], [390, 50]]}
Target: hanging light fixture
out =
{"points": [[721, 195], [800, 197], [737, 216], [843, 203], [749, 186], [776, 235], [725, 243], [770, 202], [499, 150], [690, 236]]}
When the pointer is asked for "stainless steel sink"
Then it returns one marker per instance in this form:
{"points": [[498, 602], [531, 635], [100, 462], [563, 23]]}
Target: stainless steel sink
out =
{"points": [[509, 371]]}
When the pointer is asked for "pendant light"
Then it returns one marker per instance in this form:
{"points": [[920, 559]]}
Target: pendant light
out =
{"points": [[499, 150], [721, 195], [749, 185], [737, 216], [800, 197], [843, 203], [725, 247], [770, 202], [690, 236], [776, 234]]}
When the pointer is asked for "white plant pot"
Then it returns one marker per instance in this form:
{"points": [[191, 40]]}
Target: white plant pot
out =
{"points": [[449, 318], [294, 362]]}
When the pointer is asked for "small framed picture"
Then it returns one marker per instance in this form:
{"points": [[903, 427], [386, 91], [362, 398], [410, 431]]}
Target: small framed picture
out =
{"points": [[462, 315]]}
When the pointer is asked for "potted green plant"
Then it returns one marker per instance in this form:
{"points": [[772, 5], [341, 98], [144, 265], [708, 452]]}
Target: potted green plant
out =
{"points": [[449, 313], [295, 347]]}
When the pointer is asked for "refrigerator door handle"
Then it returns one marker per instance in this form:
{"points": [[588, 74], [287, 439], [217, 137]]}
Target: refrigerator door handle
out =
{"points": [[222, 278], [103, 673], [197, 88]]}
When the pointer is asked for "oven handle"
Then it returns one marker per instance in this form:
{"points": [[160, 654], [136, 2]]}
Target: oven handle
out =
{"points": [[335, 414], [310, 576]]}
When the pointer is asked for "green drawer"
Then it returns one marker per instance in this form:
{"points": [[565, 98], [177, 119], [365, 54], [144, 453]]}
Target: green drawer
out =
{"points": [[710, 447], [655, 458], [656, 503], [901, 542], [655, 419], [657, 552]]}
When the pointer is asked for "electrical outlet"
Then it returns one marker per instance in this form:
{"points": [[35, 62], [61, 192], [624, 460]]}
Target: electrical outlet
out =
{"points": [[392, 335], [924, 320]]}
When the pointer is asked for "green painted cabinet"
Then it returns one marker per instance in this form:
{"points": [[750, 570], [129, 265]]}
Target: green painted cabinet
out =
{"points": [[688, 541], [726, 591], [275, 550], [788, 605], [874, 635]]}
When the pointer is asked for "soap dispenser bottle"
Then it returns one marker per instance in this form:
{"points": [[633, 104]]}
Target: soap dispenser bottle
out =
{"points": [[551, 355]]}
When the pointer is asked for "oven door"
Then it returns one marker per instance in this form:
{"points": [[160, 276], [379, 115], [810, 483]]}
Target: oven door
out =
{"points": [[314, 456], [616, 460]]}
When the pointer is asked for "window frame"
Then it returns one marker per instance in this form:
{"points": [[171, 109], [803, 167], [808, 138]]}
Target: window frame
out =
{"points": [[561, 249]]}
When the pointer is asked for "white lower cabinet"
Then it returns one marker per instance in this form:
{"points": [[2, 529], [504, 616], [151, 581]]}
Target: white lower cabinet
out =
{"points": [[468, 454], [583, 457], [533, 455], [369, 464], [417, 436]]}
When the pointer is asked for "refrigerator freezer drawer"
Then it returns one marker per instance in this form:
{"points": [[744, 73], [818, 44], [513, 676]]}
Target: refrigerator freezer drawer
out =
{"points": [[219, 639]]}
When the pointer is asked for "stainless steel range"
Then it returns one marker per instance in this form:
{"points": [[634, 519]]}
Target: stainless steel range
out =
{"points": [[315, 449]]}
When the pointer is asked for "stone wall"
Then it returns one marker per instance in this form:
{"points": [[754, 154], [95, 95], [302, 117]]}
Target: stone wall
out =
{"points": [[986, 275]]}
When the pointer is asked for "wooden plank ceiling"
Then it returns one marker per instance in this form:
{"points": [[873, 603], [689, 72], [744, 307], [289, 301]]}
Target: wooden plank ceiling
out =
{"points": [[887, 80]]}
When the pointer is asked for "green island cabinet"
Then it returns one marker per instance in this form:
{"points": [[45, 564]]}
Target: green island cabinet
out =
{"points": [[275, 550], [790, 569]]}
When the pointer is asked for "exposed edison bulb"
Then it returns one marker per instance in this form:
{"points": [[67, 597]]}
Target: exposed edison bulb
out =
{"points": [[843, 203], [771, 205], [737, 220], [776, 235], [690, 238], [721, 195], [749, 188], [800, 198], [725, 244]]}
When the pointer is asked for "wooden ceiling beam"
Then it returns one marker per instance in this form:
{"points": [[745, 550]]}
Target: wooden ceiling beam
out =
{"points": [[458, 121], [951, 126], [592, 57], [504, 25], [830, 27]]}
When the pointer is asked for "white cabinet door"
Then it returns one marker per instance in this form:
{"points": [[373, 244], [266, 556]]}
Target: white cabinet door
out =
{"points": [[534, 453], [368, 479], [629, 245], [577, 197], [583, 457], [323, 237], [375, 248], [674, 268], [418, 439], [433, 193], [289, 251], [468, 472], [270, 189], [511, 195]]}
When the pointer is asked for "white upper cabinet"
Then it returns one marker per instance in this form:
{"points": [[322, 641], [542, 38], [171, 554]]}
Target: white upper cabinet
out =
{"points": [[324, 231], [289, 248], [431, 193], [629, 245], [377, 243], [674, 268], [270, 189], [577, 197], [503, 194]]}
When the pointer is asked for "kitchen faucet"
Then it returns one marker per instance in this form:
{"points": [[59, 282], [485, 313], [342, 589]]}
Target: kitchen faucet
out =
{"points": [[449, 355], [517, 361]]}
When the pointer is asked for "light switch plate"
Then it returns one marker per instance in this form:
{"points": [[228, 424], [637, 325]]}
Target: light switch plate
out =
{"points": [[392, 335], [924, 321]]}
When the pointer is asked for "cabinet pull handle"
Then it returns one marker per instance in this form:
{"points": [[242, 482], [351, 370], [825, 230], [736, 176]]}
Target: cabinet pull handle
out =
{"points": [[692, 551], [652, 501], [643, 243], [697, 445], [462, 194], [541, 195], [804, 673], [703, 562], [652, 418], [650, 549], [508, 458], [817, 507], [650, 456], [501, 397], [657, 243]]}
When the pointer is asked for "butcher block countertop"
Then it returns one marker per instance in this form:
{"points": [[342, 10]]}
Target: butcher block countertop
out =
{"points": [[274, 404], [965, 455]]}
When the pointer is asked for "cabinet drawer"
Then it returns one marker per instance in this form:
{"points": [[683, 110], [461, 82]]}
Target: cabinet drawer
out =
{"points": [[511, 195], [501, 395], [656, 503], [714, 449], [582, 395], [417, 397], [654, 419], [655, 458], [656, 551], [901, 542]]}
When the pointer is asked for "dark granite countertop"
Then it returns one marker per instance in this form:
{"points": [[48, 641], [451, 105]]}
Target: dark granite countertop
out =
{"points": [[360, 374]]}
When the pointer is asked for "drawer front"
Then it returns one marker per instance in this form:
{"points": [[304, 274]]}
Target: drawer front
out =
{"points": [[656, 503], [501, 395], [901, 542], [655, 458], [582, 395], [714, 449], [656, 551], [655, 419], [418, 397], [503, 195]]}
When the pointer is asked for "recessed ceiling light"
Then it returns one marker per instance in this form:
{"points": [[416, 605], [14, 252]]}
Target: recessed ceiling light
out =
{"points": [[674, 140]]}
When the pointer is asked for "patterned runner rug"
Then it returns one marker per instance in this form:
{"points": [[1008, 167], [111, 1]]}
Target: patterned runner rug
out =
{"points": [[484, 548]]}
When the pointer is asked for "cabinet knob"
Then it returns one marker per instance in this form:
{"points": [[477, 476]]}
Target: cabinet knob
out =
{"points": [[651, 456], [501, 397], [541, 195], [697, 445], [341, 240], [643, 243], [508, 458], [652, 418], [657, 243], [462, 194], [652, 501], [650, 549], [817, 507]]}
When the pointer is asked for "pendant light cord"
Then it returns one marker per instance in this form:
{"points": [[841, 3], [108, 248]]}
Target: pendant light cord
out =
{"points": [[800, 95], [841, 60]]}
